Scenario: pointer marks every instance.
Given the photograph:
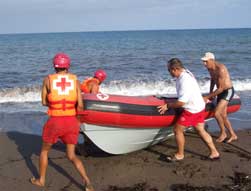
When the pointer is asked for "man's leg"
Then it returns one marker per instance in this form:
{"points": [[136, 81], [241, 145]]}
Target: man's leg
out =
{"points": [[70, 152], [43, 163], [219, 111], [180, 140], [208, 140], [228, 125]]}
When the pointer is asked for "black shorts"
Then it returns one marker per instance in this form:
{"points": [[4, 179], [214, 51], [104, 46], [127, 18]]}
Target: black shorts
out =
{"points": [[226, 95]]}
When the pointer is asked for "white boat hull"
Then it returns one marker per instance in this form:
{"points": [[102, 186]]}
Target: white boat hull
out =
{"points": [[116, 140]]}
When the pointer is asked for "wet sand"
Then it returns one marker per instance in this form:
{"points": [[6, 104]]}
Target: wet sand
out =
{"points": [[139, 171]]}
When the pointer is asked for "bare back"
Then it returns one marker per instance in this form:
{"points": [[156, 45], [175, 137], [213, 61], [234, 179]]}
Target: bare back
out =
{"points": [[220, 76], [93, 87]]}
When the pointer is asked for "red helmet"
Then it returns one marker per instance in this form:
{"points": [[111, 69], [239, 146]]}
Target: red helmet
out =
{"points": [[100, 75], [61, 60]]}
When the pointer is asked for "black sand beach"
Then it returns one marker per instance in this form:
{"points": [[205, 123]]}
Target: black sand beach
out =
{"points": [[139, 171]]}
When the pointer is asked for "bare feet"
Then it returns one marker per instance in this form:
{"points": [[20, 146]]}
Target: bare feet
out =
{"points": [[232, 138], [221, 138], [36, 182]]}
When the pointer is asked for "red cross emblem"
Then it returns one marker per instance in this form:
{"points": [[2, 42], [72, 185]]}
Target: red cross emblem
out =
{"points": [[102, 96], [63, 84]]}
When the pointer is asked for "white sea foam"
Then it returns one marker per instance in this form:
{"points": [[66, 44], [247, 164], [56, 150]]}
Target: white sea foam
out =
{"points": [[20, 95], [33, 94], [161, 87]]}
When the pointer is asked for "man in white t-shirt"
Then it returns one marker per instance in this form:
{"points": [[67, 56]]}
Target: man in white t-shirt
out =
{"points": [[189, 98]]}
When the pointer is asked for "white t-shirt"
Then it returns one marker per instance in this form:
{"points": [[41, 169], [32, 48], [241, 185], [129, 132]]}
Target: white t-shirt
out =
{"points": [[188, 92]]}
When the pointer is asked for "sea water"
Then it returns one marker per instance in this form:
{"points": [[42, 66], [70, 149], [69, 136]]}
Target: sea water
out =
{"points": [[135, 62]]}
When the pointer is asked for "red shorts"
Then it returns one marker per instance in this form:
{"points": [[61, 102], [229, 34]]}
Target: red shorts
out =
{"points": [[65, 128], [191, 119]]}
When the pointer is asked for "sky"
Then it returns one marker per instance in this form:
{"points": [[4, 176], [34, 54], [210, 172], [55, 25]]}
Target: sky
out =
{"points": [[39, 16]]}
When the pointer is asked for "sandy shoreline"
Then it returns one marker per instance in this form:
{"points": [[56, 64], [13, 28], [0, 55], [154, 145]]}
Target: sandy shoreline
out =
{"points": [[140, 171]]}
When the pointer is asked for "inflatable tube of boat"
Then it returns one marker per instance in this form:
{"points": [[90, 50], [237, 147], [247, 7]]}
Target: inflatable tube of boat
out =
{"points": [[136, 111]]}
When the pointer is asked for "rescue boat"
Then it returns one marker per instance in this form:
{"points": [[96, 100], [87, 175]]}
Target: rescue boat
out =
{"points": [[120, 124]]}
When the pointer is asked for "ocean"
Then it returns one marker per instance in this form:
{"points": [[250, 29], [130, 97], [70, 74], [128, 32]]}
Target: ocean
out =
{"points": [[135, 62]]}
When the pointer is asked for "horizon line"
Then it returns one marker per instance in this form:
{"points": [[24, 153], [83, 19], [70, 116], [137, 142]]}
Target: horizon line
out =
{"points": [[129, 30]]}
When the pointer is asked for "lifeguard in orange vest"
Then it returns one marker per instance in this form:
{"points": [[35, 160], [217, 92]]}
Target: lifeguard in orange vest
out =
{"points": [[91, 85], [62, 95]]}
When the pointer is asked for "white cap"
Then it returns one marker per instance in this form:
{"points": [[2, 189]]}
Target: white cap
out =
{"points": [[208, 56]]}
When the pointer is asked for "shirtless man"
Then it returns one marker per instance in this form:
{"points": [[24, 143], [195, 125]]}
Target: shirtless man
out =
{"points": [[224, 92]]}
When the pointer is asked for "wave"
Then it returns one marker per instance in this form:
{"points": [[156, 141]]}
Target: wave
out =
{"points": [[20, 94], [33, 94]]}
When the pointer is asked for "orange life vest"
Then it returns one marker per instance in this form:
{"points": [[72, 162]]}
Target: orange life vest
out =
{"points": [[63, 95], [86, 83]]}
